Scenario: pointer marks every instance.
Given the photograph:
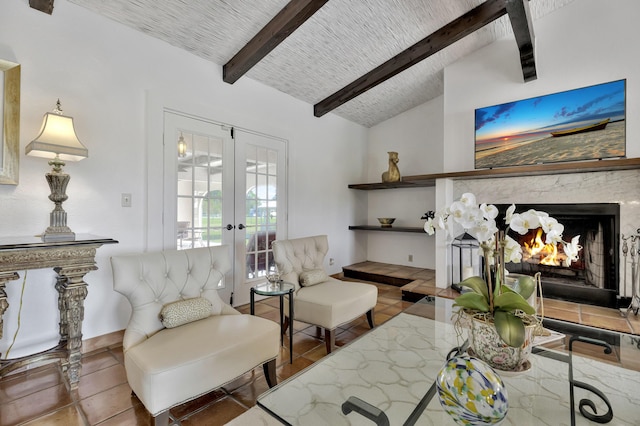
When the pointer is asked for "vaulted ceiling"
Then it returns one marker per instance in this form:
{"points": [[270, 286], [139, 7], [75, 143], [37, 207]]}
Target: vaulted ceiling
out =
{"points": [[338, 44]]}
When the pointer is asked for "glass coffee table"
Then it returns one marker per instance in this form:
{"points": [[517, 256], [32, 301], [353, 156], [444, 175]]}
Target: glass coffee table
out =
{"points": [[279, 289], [392, 368]]}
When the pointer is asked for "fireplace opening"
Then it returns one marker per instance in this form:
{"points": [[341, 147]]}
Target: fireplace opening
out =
{"points": [[593, 278]]}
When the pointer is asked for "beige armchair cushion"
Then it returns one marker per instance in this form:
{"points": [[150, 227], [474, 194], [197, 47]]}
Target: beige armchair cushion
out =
{"points": [[333, 302]]}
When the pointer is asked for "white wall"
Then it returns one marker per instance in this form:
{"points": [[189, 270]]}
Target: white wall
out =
{"points": [[105, 75], [417, 137], [579, 45], [576, 46]]}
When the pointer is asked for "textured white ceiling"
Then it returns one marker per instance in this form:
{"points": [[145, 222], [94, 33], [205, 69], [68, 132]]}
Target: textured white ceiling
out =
{"points": [[342, 41]]}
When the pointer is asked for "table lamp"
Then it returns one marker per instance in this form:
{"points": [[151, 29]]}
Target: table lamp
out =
{"points": [[58, 141]]}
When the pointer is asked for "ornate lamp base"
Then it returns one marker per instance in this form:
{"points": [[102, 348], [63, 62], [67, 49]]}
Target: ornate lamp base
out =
{"points": [[58, 233], [58, 229]]}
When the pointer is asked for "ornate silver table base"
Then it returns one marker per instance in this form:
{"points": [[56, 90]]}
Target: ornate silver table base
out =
{"points": [[71, 260]]}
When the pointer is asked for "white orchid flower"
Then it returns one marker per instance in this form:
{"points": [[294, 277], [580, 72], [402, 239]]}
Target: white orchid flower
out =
{"points": [[523, 222], [466, 216], [571, 250], [489, 211], [512, 250], [509, 214], [428, 227], [484, 230], [468, 199]]}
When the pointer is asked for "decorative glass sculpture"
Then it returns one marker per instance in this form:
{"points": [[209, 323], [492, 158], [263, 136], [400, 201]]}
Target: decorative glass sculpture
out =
{"points": [[471, 392]]}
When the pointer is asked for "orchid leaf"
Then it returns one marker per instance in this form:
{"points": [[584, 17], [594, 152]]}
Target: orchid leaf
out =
{"points": [[511, 301], [474, 301], [476, 284], [525, 286], [510, 328]]}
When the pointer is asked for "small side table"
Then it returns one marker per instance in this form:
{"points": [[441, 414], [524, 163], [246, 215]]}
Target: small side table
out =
{"points": [[281, 289]]}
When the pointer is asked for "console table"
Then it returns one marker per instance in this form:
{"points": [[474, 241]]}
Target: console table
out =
{"points": [[71, 260]]}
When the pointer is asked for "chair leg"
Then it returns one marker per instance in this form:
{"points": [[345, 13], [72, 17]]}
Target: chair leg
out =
{"points": [[329, 339], [270, 373], [370, 318], [161, 419], [285, 325]]}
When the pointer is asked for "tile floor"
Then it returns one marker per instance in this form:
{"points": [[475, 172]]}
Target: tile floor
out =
{"points": [[40, 397]]}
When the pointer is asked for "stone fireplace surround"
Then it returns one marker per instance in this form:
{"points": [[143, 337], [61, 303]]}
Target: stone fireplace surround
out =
{"points": [[613, 186]]}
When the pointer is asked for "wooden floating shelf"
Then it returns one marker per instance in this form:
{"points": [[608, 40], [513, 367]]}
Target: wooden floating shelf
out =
{"points": [[389, 185], [391, 229], [421, 181]]}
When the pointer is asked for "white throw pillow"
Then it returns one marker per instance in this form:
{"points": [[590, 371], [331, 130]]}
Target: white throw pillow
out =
{"points": [[313, 277], [178, 313]]}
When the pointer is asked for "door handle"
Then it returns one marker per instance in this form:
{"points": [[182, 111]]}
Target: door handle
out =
{"points": [[230, 227], [241, 226]]}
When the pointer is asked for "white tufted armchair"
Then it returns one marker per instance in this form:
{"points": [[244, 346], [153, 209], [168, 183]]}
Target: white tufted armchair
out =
{"points": [[168, 366], [319, 299]]}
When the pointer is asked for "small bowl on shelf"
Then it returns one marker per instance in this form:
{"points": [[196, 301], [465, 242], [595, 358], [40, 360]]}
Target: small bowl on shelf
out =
{"points": [[386, 222]]}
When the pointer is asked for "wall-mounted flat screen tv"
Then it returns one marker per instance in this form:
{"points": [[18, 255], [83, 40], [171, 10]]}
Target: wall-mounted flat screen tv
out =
{"points": [[576, 125]]}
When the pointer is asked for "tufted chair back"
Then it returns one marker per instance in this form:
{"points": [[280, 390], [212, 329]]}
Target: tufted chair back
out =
{"points": [[295, 256], [151, 280]]}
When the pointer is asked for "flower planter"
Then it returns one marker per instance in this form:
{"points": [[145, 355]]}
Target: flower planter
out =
{"points": [[489, 347]]}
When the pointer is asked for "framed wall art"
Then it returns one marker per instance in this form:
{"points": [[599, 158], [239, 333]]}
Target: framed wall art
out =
{"points": [[576, 125], [9, 122]]}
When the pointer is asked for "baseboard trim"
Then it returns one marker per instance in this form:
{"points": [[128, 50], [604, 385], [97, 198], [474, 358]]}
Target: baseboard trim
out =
{"points": [[102, 341]]}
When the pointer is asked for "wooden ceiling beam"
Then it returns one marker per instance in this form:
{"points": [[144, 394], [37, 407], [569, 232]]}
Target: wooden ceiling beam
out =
{"points": [[294, 14], [520, 17], [45, 6], [466, 24]]}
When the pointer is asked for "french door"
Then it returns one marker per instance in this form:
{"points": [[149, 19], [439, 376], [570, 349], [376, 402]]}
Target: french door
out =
{"points": [[261, 200], [224, 186]]}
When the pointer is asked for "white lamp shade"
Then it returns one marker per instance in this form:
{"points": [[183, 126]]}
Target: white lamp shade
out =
{"points": [[57, 137]]}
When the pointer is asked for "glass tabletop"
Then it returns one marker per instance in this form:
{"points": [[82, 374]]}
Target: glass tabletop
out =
{"points": [[275, 289], [393, 366]]}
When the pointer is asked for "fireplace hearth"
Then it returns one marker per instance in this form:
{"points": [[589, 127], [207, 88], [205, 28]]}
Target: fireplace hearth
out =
{"points": [[594, 277]]}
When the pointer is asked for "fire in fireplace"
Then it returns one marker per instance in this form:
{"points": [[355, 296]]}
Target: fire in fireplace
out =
{"points": [[593, 278]]}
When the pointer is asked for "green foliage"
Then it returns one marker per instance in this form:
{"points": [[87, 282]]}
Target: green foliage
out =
{"points": [[510, 328], [507, 303]]}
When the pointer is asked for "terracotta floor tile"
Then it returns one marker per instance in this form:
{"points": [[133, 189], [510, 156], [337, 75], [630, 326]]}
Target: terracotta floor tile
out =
{"points": [[382, 300], [105, 398], [315, 354], [101, 380], [19, 385], [561, 304], [25, 409], [98, 361], [561, 314], [300, 363], [381, 318], [135, 416], [393, 309], [248, 394], [107, 404], [303, 343], [183, 410], [216, 414], [619, 324], [246, 378], [345, 337], [68, 416]]}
